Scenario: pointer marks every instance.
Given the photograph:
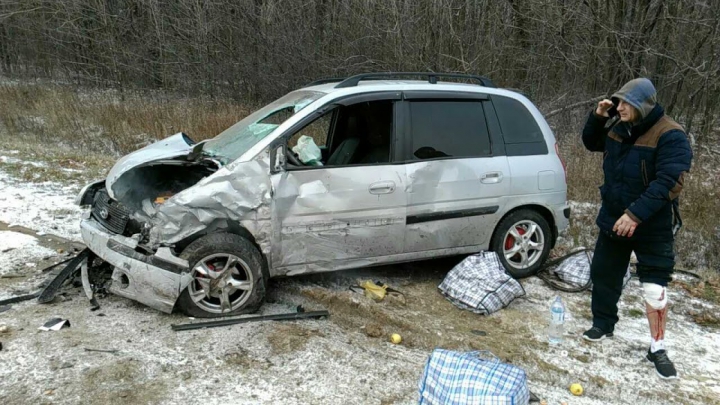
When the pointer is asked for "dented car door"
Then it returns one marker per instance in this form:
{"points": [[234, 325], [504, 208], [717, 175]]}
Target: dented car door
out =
{"points": [[336, 217], [457, 176]]}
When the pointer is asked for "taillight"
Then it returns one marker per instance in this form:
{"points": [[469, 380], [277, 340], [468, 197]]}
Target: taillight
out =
{"points": [[557, 150]]}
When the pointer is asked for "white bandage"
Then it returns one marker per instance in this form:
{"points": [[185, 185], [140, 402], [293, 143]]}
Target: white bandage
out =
{"points": [[654, 295]]}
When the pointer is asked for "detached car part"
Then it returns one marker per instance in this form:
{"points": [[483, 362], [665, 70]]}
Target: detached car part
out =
{"points": [[48, 294], [227, 322]]}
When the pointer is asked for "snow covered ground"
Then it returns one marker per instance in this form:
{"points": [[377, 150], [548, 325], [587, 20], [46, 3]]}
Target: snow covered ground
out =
{"points": [[317, 361]]}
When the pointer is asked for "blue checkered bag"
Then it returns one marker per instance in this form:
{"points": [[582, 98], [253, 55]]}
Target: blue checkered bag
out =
{"points": [[575, 270], [480, 284], [467, 378]]}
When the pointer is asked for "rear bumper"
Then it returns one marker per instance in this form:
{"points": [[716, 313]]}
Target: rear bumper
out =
{"points": [[562, 216], [154, 280], [561, 213]]}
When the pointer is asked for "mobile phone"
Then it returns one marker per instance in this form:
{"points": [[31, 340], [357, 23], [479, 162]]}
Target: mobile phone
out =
{"points": [[612, 111]]}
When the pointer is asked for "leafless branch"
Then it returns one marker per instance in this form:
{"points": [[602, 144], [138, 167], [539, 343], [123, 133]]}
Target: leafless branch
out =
{"points": [[574, 105]]}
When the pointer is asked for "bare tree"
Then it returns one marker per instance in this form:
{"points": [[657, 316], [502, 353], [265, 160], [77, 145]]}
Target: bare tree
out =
{"points": [[258, 49]]}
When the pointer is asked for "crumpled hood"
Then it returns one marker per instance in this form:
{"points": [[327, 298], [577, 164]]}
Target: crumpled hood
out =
{"points": [[170, 147]]}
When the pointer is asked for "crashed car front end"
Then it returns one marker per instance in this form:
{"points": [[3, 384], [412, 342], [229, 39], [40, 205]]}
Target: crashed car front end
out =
{"points": [[152, 279], [138, 233], [117, 226], [159, 199]]}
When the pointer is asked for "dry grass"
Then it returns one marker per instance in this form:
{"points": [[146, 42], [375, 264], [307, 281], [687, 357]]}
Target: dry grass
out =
{"points": [[121, 381], [706, 318], [635, 313], [707, 289], [243, 360], [428, 320], [289, 338], [107, 121]]}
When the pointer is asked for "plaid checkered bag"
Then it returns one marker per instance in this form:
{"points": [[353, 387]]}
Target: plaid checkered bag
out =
{"points": [[575, 270], [480, 284], [466, 378]]}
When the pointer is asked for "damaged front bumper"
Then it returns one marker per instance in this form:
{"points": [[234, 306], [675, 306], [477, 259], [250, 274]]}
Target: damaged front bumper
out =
{"points": [[154, 280]]}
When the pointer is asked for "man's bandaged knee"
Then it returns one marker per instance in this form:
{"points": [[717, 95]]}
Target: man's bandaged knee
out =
{"points": [[654, 295]]}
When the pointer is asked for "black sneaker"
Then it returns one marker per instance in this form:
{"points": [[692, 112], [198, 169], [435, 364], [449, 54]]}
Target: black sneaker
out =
{"points": [[596, 334], [663, 366]]}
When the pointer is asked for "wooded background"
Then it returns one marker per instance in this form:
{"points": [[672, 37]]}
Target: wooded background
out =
{"points": [[255, 50], [105, 77]]}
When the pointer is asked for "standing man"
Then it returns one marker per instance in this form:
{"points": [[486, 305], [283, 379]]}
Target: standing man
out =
{"points": [[645, 158]]}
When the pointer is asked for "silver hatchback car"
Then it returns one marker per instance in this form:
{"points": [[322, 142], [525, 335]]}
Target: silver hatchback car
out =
{"points": [[399, 170]]}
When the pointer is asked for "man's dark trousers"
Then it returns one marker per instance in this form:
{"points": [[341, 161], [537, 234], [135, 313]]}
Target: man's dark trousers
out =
{"points": [[656, 261]]}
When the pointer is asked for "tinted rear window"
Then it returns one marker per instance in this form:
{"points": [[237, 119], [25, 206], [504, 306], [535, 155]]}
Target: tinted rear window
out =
{"points": [[518, 125], [448, 129]]}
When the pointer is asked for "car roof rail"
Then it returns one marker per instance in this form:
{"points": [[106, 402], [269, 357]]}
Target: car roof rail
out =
{"points": [[325, 81], [432, 78]]}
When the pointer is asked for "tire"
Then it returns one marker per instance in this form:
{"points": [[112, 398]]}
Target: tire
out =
{"points": [[244, 281], [504, 243]]}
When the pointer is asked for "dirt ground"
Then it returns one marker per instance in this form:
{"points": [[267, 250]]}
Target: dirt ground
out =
{"points": [[346, 358]]}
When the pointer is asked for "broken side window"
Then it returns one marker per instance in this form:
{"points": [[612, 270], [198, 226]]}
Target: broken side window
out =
{"points": [[239, 138]]}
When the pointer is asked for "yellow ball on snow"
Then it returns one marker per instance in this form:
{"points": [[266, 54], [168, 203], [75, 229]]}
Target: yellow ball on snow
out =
{"points": [[576, 389], [395, 338]]}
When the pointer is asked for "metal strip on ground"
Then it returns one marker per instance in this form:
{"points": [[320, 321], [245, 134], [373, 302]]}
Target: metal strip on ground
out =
{"points": [[234, 321]]}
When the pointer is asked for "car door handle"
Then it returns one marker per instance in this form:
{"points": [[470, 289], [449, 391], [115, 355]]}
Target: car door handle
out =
{"points": [[491, 177], [382, 187]]}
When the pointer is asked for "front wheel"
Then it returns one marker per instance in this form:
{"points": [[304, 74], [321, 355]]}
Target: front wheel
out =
{"points": [[522, 242], [227, 277]]}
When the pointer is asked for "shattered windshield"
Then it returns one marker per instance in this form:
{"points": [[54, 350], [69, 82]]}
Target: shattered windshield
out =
{"points": [[239, 138]]}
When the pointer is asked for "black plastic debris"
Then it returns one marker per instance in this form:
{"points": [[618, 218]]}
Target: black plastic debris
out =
{"points": [[113, 351], [19, 298], [55, 324], [0, 346], [478, 332], [13, 275], [48, 294], [53, 266], [234, 321]]}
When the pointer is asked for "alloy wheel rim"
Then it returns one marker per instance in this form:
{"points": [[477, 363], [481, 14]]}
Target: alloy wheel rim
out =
{"points": [[523, 244], [221, 283]]}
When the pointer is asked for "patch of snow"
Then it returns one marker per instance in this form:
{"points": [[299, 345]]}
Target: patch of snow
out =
{"points": [[33, 206], [580, 206], [13, 240], [13, 160], [17, 252]]}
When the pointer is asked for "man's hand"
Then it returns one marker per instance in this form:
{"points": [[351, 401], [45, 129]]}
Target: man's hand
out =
{"points": [[603, 107], [625, 226]]}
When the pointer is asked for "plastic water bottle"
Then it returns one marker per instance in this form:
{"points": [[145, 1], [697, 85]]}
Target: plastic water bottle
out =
{"points": [[557, 321]]}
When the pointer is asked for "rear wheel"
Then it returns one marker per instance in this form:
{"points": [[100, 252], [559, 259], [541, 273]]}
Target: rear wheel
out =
{"points": [[522, 242], [227, 277]]}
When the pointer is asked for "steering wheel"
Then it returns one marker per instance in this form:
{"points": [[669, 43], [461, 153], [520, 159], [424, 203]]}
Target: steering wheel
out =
{"points": [[293, 159]]}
